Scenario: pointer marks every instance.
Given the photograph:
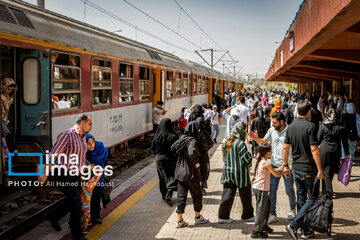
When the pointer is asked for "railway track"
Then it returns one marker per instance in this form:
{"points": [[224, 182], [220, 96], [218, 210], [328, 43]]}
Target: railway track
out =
{"points": [[21, 210]]}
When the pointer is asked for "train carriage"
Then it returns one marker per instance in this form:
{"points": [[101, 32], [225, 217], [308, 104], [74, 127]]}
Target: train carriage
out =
{"points": [[64, 67]]}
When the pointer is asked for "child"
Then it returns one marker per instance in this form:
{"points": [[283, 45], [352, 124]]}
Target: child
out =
{"points": [[87, 188], [215, 129], [261, 187], [182, 121]]}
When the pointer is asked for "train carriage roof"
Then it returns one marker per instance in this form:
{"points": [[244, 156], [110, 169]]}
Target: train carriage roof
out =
{"points": [[43, 24]]}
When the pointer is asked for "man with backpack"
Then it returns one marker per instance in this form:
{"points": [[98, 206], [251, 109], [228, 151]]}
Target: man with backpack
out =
{"points": [[276, 136], [301, 136]]}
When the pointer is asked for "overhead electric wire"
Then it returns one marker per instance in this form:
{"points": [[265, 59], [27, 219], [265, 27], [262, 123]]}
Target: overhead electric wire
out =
{"points": [[106, 12], [162, 24]]}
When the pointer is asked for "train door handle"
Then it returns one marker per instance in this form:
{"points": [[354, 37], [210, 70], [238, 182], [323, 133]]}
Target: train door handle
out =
{"points": [[40, 123]]}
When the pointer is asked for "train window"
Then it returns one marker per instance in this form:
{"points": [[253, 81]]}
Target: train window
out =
{"points": [[178, 84], [195, 84], [31, 81], [65, 79], [169, 84], [101, 73], [144, 79], [185, 84], [199, 84], [126, 83]]}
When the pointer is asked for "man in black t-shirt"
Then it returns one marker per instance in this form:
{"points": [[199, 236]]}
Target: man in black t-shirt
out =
{"points": [[301, 136]]}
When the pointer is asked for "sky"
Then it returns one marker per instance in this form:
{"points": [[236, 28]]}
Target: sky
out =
{"points": [[248, 29]]}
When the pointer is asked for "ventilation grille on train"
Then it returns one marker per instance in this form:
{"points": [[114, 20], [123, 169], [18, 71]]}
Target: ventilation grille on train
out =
{"points": [[20, 16], [5, 15], [154, 55]]}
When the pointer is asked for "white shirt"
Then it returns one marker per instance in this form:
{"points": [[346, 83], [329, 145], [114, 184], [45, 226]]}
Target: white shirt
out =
{"points": [[206, 114], [244, 113], [249, 102], [230, 123], [157, 115]]}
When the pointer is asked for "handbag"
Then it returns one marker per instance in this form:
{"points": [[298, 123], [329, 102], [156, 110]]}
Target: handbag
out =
{"points": [[345, 171], [182, 170]]}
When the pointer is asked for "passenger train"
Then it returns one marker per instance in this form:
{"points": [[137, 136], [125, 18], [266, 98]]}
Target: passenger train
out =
{"points": [[64, 67]]}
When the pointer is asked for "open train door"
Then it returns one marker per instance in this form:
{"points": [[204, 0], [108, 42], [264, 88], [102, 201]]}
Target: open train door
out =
{"points": [[157, 86], [34, 97]]}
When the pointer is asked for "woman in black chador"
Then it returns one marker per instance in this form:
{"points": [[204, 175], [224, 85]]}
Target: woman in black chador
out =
{"points": [[164, 137], [330, 136]]}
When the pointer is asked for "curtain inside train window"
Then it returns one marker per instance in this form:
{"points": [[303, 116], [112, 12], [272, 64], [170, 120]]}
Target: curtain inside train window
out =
{"points": [[101, 78]]}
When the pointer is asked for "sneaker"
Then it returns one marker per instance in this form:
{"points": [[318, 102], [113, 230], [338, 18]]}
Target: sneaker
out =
{"points": [[272, 219], [291, 215], [180, 224], [259, 235], [249, 219], [201, 220], [267, 229], [291, 231], [220, 220], [307, 234]]}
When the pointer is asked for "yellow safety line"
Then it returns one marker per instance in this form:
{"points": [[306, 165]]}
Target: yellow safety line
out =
{"points": [[98, 230]]}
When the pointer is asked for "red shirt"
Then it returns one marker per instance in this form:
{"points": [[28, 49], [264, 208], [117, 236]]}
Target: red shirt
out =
{"points": [[182, 122]]}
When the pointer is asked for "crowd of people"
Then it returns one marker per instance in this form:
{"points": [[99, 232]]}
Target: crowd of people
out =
{"points": [[297, 137]]}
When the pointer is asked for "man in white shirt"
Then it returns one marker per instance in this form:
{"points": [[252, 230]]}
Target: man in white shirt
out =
{"points": [[231, 119], [63, 103], [244, 111], [158, 113]]}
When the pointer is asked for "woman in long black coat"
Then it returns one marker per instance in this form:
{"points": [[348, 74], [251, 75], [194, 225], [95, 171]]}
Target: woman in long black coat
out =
{"points": [[330, 136], [164, 137]]}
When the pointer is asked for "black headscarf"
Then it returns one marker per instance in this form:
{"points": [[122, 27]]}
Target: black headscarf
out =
{"points": [[191, 132], [196, 112], [164, 137], [201, 123]]}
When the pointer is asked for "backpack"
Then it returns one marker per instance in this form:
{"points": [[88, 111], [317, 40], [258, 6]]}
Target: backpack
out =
{"points": [[319, 216]]}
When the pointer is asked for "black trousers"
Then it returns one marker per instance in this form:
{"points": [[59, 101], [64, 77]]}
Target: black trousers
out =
{"points": [[204, 167], [329, 173], [262, 209], [72, 203], [227, 200], [155, 127], [95, 207], [195, 190], [167, 181]]}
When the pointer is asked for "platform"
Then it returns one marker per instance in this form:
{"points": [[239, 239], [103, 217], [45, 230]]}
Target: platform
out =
{"points": [[138, 212]]}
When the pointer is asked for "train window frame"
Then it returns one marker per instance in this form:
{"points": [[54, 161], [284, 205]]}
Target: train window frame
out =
{"points": [[203, 86], [145, 81], [109, 88], [31, 94], [207, 85], [187, 84], [56, 92], [178, 74], [172, 80], [127, 79]]}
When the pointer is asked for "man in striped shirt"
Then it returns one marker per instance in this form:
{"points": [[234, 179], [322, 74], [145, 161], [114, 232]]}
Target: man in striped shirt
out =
{"points": [[69, 142]]}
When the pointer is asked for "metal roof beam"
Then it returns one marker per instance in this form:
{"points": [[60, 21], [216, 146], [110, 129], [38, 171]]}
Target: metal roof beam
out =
{"points": [[332, 65], [325, 73]]}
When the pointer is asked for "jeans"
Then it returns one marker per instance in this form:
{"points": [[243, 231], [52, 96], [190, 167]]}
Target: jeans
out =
{"points": [[307, 193], [215, 130], [289, 188], [352, 149]]}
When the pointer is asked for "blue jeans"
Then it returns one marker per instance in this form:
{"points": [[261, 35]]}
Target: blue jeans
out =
{"points": [[352, 149], [307, 193], [215, 130], [289, 188]]}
